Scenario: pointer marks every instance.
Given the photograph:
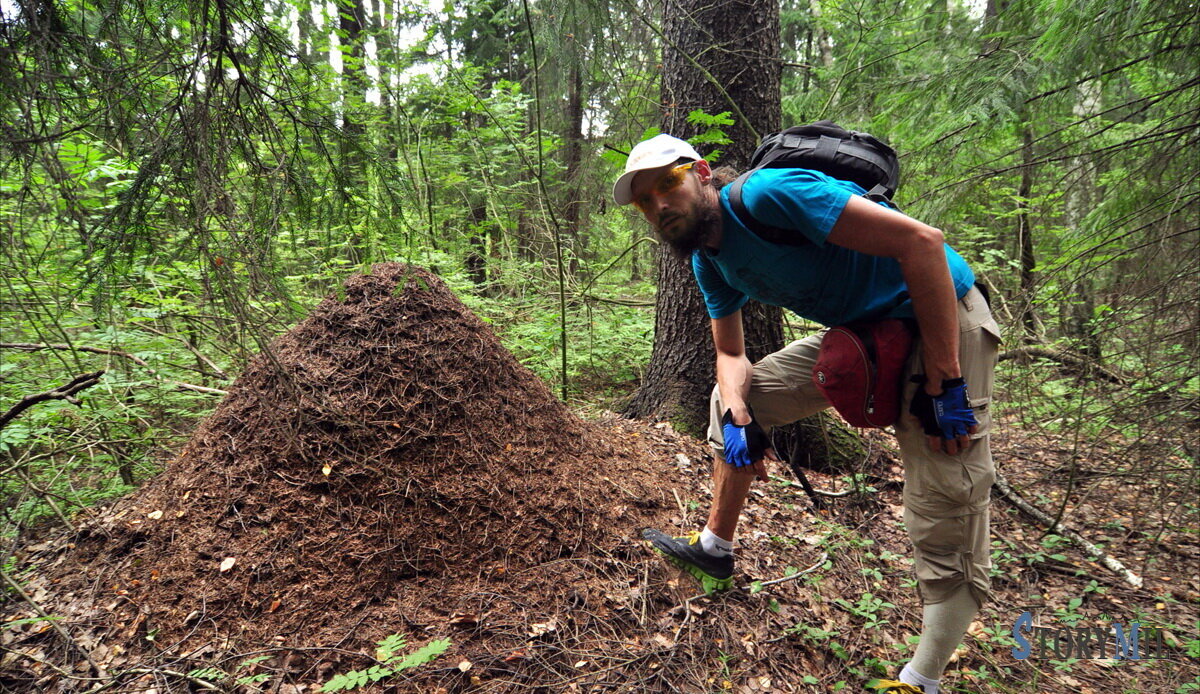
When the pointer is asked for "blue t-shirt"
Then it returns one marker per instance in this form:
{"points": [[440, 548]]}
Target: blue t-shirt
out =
{"points": [[820, 281]]}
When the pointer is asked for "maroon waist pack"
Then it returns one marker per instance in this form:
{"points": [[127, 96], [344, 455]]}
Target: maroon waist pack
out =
{"points": [[860, 368]]}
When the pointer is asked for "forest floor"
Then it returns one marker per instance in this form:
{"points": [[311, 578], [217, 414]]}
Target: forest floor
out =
{"points": [[392, 471]]}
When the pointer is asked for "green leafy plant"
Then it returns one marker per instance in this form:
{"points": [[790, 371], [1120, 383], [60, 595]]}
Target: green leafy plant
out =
{"points": [[391, 663], [712, 133], [868, 608]]}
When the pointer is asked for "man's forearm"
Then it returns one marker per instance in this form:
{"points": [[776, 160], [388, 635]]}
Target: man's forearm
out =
{"points": [[932, 291], [733, 378]]}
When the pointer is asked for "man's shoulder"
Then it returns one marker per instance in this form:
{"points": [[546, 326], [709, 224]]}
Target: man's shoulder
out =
{"points": [[789, 176]]}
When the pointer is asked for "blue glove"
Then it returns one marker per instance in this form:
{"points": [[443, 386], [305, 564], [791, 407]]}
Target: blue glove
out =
{"points": [[744, 445], [948, 415]]}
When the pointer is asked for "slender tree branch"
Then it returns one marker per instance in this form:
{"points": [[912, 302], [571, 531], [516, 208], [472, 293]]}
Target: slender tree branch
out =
{"points": [[63, 392], [218, 371], [36, 346]]}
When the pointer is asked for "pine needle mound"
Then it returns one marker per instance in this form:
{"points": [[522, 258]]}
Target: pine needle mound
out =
{"points": [[386, 466]]}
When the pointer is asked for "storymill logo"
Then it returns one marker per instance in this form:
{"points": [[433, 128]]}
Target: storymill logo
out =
{"points": [[1130, 641]]}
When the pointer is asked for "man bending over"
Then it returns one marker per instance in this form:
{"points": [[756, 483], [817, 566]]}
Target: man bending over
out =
{"points": [[853, 260]]}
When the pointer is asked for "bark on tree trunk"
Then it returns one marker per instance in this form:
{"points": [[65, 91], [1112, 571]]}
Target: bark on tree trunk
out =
{"points": [[1025, 235], [737, 43], [476, 260], [573, 156], [351, 20]]}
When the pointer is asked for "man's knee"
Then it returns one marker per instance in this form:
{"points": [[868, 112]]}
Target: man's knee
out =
{"points": [[950, 553]]}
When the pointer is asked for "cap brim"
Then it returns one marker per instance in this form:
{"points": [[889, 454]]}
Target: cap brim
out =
{"points": [[622, 192]]}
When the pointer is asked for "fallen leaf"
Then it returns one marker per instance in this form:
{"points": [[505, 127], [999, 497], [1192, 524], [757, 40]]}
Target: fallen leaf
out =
{"points": [[274, 605], [464, 665], [543, 627], [519, 654], [154, 515], [227, 564], [581, 663], [326, 470]]}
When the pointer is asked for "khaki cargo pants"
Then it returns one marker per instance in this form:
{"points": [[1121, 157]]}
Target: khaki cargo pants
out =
{"points": [[945, 496]]}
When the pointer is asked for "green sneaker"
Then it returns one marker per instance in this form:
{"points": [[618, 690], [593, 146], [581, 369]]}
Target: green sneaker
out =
{"points": [[894, 687], [714, 573]]}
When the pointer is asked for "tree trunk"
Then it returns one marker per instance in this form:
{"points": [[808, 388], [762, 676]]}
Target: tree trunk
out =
{"points": [[737, 43], [1025, 234], [351, 20], [573, 157], [476, 260], [1080, 322]]}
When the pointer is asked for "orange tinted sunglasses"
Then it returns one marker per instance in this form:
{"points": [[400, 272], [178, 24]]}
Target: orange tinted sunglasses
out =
{"points": [[666, 183]]}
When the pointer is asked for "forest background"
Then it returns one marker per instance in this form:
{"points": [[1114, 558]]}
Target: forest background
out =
{"points": [[182, 181]]}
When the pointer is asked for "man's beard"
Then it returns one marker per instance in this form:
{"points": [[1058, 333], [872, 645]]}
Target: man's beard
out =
{"points": [[686, 239]]}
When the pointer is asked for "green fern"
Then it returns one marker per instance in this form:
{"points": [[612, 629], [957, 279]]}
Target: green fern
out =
{"points": [[392, 663]]}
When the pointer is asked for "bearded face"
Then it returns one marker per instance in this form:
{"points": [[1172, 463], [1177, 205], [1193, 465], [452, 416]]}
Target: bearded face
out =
{"points": [[678, 203]]}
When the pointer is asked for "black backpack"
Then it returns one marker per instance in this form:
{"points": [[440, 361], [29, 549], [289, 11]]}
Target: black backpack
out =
{"points": [[826, 147]]}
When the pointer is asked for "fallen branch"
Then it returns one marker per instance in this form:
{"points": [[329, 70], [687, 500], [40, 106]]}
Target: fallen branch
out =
{"points": [[1009, 494], [36, 346], [64, 392], [1077, 362]]}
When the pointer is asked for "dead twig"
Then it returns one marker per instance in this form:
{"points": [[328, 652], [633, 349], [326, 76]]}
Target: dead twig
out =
{"points": [[63, 392], [791, 577]]}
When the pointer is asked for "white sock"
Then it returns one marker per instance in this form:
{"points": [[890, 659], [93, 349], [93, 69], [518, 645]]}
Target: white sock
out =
{"points": [[714, 545], [910, 676]]}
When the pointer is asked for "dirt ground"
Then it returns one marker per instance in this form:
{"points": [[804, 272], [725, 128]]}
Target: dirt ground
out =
{"points": [[388, 468]]}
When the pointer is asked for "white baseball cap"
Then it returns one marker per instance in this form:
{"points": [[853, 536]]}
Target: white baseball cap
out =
{"points": [[659, 150]]}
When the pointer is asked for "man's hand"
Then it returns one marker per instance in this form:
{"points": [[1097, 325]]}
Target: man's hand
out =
{"points": [[946, 416], [746, 445]]}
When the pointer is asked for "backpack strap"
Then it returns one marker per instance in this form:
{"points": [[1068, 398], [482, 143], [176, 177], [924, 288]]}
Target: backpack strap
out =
{"points": [[879, 193], [766, 232]]}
